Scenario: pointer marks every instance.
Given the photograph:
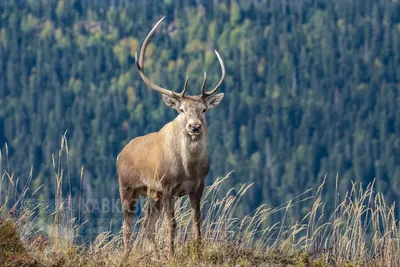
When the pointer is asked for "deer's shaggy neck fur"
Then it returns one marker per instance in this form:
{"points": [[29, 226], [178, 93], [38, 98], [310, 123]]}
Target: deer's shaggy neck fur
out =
{"points": [[191, 150]]}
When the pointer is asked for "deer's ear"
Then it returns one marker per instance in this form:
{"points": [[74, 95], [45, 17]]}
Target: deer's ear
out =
{"points": [[170, 101], [214, 100]]}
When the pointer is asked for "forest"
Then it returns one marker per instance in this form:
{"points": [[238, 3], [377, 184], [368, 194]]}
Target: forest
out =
{"points": [[312, 92]]}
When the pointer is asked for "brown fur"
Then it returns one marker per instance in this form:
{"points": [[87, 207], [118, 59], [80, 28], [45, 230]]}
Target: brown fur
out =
{"points": [[166, 164], [170, 163]]}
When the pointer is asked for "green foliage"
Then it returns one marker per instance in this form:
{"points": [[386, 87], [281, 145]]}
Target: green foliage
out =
{"points": [[311, 88]]}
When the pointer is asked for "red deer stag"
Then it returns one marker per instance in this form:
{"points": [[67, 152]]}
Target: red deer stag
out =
{"points": [[170, 163]]}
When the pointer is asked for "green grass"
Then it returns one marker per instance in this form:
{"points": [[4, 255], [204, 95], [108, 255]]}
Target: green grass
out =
{"points": [[362, 231]]}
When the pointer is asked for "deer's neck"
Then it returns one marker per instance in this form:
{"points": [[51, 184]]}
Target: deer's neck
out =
{"points": [[194, 146], [191, 150]]}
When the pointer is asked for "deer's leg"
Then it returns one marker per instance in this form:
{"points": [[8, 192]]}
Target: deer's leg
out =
{"points": [[195, 212], [129, 199], [153, 213], [168, 203]]}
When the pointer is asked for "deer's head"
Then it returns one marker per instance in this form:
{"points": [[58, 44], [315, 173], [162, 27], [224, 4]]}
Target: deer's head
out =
{"points": [[191, 109]]}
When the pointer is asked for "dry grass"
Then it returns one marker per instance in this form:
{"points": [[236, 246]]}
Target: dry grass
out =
{"points": [[362, 231]]}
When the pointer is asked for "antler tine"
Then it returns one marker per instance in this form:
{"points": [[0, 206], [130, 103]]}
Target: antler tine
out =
{"points": [[221, 63], [185, 87], [140, 64], [203, 86]]}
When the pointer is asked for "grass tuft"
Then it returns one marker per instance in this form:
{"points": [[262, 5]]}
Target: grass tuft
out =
{"points": [[361, 231], [12, 249]]}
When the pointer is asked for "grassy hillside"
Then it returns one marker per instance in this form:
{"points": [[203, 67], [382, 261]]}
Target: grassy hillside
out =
{"points": [[362, 231]]}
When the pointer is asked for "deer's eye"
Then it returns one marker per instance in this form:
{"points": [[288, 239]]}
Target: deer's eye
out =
{"points": [[204, 110], [181, 110]]}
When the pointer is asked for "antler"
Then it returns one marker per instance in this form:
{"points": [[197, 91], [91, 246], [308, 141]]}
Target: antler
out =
{"points": [[185, 87], [203, 86], [206, 94], [140, 66]]}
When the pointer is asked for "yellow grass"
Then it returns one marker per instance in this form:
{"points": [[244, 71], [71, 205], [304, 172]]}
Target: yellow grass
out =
{"points": [[362, 230]]}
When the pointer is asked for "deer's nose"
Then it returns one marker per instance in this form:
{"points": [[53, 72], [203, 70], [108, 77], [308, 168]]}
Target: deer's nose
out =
{"points": [[195, 127]]}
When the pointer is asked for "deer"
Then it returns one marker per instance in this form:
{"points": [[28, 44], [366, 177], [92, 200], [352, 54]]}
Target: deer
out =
{"points": [[171, 163]]}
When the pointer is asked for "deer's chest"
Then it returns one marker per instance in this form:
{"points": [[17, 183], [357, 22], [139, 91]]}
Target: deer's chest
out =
{"points": [[192, 158], [188, 169], [192, 174]]}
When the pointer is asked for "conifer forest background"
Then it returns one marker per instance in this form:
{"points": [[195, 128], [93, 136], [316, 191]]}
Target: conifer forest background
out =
{"points": [[312, 92]]}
